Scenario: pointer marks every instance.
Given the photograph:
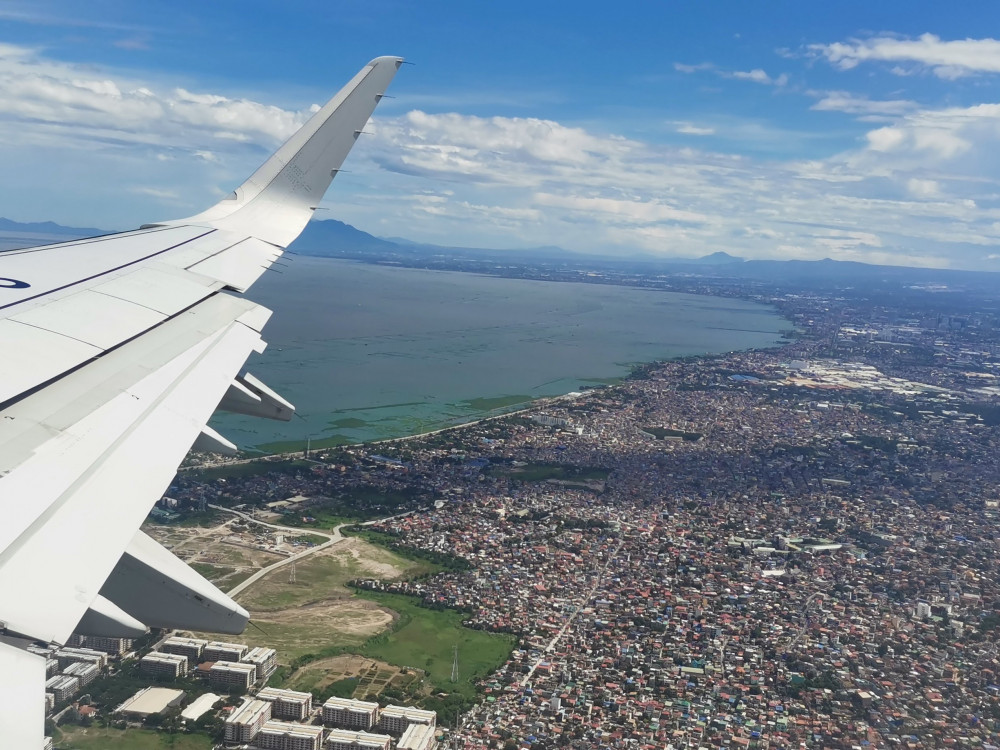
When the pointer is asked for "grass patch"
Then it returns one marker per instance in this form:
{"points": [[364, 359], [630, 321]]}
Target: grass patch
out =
{"points": [[206, 519], [212, 572], [294, 446], [249, 469], [543, 472], [105, 738], [324, 575], [425, 639], [355, 504], [665, 432]]}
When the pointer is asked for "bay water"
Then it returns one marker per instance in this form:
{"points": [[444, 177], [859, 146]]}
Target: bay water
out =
{"points": [[369, 352]]}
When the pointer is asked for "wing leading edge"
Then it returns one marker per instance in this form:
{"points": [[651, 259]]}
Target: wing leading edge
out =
{"points": [[118, 350]]}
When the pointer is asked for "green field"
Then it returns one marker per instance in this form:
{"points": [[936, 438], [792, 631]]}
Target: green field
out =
{"points": [[542, 472], [323, 575], [249, 469], [102, 738], [426, 638], [350, 506]]}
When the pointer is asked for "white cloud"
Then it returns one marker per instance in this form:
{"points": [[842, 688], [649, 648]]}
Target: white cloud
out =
{"points": [[946, 59], [922, 188], [842, 101], [687, 128], [61, 97], [758, 76], [682, 68]]}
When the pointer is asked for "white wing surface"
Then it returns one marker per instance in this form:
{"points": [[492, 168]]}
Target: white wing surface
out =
{"points": [[114, 353]]}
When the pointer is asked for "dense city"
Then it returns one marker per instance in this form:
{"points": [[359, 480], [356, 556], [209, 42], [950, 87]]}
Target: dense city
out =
{"points": [[782, 548], [763, 549]]}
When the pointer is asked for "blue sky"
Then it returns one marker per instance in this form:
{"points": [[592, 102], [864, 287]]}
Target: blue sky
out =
{"points": [[857, 131]]}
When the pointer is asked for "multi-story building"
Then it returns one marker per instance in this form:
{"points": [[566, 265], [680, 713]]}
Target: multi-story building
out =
{"points": [[396, 719], [51, 667], [350, 714], [246, 721], [163, 665], [66, 656], [417, 737], [222, 651], [62, 687], [50, 703], [265, 659], [345, 739], [231, 674], [110, 646], [287, 704], [283, 735], [84, 671], [191, 648]]}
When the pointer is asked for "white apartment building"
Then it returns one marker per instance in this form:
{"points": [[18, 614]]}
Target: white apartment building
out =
{"points": [[283, 735], [287, 704], [246, 721], [350, 714]]}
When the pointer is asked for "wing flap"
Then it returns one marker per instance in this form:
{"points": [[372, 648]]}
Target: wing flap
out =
{"points": [[157, 588], [124, 446]]}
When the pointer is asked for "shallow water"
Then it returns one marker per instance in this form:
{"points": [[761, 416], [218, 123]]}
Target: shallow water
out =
{"points": [[371, 352]]}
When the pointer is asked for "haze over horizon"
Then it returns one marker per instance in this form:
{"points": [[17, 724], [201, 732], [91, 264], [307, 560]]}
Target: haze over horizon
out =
{"points": [[786, 131]]}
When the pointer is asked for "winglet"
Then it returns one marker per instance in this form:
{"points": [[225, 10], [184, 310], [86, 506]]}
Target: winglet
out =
{"points": [[278, 200]]}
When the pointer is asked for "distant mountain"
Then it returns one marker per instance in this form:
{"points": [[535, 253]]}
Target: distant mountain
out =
{"points": [[719, 258], [335, 239], [46, 227], [330, 238]]}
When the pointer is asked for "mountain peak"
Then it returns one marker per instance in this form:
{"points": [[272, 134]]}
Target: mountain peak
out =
{"points": [[720, 257]]}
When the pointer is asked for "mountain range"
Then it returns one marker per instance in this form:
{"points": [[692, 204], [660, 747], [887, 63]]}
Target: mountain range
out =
{"points": [[335, 239]]}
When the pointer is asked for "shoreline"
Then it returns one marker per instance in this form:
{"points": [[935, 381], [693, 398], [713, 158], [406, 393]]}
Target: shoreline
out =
{"points": [[637, 371]]}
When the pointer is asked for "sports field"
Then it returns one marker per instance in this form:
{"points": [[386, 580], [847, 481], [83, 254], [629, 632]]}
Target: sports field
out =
{"points": [[103, 738]]}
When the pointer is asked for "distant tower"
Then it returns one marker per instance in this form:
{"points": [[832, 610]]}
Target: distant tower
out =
{"points": [[291, 573], [454, 666]]}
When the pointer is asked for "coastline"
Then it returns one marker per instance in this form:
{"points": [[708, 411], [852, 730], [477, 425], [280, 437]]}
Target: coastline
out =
{"points": [[298, 448]]}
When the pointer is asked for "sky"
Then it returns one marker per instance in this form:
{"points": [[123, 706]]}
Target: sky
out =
{"points": [[852, 130]]}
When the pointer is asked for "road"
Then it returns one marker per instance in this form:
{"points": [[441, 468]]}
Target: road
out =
{"points": [[331, 539], [590, 595]]}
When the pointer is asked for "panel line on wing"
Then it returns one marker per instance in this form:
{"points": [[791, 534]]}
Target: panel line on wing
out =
{"points": [[108, 270]]}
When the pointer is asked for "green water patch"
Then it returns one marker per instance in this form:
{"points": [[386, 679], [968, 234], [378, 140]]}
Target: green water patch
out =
{"points": [[496, 402], [293, 446], [383, 406], [349, 423]]}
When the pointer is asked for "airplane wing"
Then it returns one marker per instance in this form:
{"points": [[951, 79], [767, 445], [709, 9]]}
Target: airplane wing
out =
{"points": [[114, 353]]}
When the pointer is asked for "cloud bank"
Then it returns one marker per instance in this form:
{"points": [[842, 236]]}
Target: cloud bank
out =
{"points": [[919, 188]]}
